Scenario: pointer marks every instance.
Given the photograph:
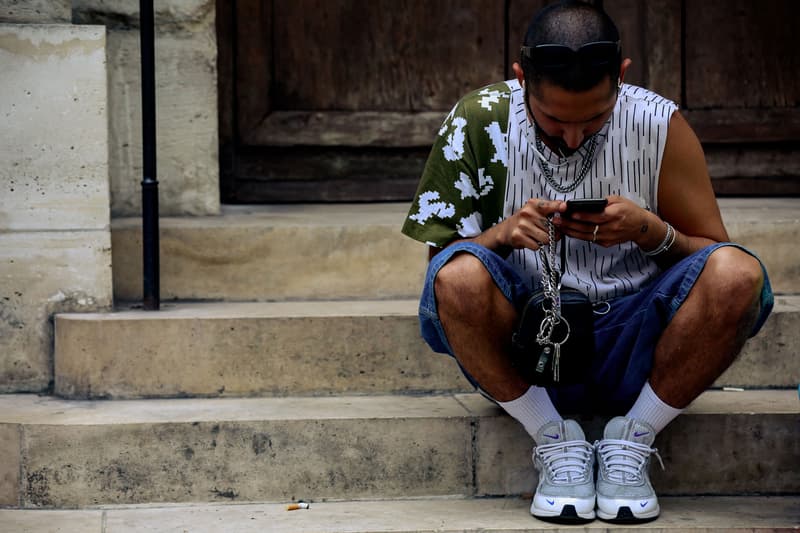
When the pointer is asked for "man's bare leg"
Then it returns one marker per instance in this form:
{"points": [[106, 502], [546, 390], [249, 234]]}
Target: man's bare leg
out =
{"points": [[478, 322], [710, 328]]}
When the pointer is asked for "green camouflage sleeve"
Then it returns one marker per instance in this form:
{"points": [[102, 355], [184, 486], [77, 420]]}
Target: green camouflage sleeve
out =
{"points": [[465, 172]]}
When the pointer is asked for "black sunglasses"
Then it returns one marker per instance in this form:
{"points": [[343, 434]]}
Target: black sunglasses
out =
{"points": [[559, 56]]}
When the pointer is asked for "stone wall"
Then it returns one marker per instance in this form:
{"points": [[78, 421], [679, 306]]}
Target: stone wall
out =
{"points": [[35, 11], [186, 95], [55, 251]]}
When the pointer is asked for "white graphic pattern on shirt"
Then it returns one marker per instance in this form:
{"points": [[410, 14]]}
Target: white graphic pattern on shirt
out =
{"points": [[428, 207]]}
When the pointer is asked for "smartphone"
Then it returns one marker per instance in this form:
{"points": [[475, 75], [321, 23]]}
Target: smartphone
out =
{"points": [[586, 205]]}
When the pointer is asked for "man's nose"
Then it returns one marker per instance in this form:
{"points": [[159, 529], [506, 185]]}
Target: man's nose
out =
{"points": [[573, 137]]}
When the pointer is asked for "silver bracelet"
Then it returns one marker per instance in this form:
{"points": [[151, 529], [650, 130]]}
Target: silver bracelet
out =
{"points": [[666, 244]]}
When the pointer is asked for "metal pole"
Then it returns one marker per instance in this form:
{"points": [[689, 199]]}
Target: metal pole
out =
{"points": [[150, 246]]}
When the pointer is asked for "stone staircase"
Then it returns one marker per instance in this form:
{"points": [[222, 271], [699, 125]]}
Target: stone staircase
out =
{"points": [[286, 365]]}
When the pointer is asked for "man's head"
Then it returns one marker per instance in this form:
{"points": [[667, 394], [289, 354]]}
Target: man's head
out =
{"points": [[570, 65], [572, 45]]}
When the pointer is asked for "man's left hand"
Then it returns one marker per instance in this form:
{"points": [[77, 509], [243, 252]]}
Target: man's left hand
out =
{"points": [[621, 221]]}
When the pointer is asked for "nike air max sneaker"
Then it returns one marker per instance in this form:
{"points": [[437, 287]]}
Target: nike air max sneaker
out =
{"points": [[624, 492], [565, 462]]}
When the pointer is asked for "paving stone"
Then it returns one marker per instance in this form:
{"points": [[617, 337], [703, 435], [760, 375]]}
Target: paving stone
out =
{"points": [[689, 514], [26, 521]]}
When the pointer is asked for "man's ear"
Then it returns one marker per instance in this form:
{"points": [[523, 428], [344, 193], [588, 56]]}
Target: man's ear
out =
{"points": [[517, 68], [623, 67]]}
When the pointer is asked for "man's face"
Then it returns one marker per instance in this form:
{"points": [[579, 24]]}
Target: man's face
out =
{"points": [[566, 119]]}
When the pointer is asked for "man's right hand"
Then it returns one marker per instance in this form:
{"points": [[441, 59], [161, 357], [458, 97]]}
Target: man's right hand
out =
{"points": [[527, 228]]}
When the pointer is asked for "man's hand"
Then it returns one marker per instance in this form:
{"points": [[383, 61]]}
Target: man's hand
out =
{"points": [[527, 228], [621, 221]]}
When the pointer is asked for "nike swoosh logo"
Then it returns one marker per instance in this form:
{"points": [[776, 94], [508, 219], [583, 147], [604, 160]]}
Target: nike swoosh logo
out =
{"points": [[551, 502], [637, 434], [554, 437], [642, 504]]}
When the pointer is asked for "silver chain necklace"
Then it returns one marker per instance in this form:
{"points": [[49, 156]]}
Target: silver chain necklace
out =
{"points": [[548, 172]]}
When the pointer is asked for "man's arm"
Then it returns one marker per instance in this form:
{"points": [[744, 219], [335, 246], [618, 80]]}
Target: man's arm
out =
{"points": [[685, 200], [527, 228], [685, 196]]}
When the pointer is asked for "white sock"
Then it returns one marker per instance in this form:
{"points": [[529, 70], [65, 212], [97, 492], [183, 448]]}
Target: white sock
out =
{"points": [[533, 409], [651, 409]]}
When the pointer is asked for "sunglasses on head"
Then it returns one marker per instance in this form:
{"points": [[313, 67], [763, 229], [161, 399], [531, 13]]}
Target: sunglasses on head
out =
{"points": [[559, 56]]}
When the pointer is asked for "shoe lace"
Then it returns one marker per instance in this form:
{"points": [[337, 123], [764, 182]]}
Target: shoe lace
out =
{"points": [[566, 462], [625, 460]]}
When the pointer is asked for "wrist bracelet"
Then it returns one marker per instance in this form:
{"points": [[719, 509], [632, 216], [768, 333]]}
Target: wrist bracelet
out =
{"points": [[666, 244]]}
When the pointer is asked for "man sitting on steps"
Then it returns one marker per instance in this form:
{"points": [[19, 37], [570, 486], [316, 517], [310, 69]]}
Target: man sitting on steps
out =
{"points": [[681, 301]]}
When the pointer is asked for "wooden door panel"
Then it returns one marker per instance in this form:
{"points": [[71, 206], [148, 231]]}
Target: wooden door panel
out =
{"points": [[742, 54], [384, 55], [325, 100], [379, 73]]}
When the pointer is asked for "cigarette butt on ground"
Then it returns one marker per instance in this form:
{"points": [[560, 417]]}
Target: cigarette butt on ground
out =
{"points": [[296, 506], [733, 389]]}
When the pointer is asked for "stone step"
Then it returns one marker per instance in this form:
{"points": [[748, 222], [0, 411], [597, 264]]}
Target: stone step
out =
{"points": [[309, 348], [72, 454], [282, 252], [708, 514]]}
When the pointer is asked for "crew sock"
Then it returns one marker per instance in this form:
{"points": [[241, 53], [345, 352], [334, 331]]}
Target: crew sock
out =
{"points": [[533, 409], [651, 409]]}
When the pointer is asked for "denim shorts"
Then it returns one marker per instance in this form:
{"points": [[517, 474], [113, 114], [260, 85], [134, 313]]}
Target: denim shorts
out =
{"points": [[625, 336]]}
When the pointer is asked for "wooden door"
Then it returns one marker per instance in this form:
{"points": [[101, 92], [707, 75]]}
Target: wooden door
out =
{"points": [[339, 100]]}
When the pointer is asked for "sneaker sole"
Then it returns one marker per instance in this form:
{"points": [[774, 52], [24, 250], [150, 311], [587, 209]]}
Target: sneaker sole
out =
{"points": [[563, 508], [624, 515], [568, 514]]}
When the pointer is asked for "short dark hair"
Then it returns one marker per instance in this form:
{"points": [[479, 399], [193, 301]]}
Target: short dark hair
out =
{"points": [[571, 23]]}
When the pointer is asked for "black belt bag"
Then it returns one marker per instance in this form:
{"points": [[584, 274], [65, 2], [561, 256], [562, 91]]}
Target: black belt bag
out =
{"points": [[552, 346]]}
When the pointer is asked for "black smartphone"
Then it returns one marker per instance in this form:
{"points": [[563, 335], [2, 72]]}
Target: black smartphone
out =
{"points": [[586, 205]]}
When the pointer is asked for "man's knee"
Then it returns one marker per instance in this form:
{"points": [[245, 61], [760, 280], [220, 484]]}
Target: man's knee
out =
{"points": [[734, 278], [734, 271], [463, 284]]}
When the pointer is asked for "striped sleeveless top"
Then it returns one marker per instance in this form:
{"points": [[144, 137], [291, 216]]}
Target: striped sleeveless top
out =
{"points": [[627, 162]]}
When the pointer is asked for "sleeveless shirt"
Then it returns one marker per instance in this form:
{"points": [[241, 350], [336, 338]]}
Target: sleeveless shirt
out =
{"points": [[483, 168]]}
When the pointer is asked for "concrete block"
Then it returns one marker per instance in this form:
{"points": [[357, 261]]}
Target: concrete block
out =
{"points": [[11, 453], [35, 11], [768, 227], [277, 253], [186, 104], [42, 273], [354, 251], [186, 13], [289, 348], [261, 450], [715, 447], [54, 215], [53, 146], [350, 447], [770, 358]]}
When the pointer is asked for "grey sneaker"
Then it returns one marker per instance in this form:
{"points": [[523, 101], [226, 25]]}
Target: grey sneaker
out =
{"points": [[565, 462], [624, 492]]}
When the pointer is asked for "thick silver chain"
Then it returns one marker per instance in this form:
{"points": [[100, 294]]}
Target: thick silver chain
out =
{"points": [[585, 164], [551, 286]]}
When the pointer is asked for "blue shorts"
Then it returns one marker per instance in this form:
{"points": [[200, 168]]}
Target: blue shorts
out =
{"points": [[625, 337]]}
